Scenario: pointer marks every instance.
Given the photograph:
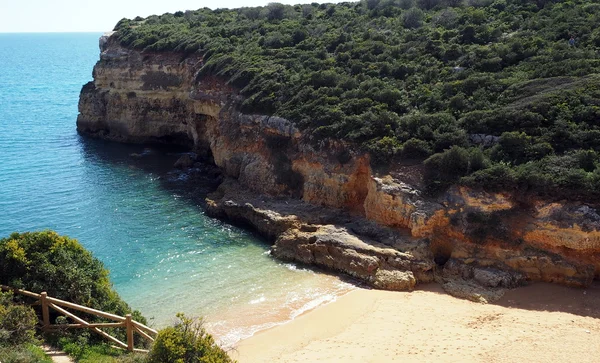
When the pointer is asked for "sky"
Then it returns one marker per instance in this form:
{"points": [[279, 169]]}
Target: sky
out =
{"points": [[18, 16]]}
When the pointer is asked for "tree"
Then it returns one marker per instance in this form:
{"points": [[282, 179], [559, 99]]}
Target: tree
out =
{"points": [[413, 18], [275, 11], [428, 4], [60, 266]]}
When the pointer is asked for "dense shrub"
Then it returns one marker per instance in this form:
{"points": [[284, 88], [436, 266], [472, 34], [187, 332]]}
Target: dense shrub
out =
{"points": [[413, 18], [408, 78], [497, 177], [186, 342], [446, 168], [18, 343], [17, 322], [59, 265]]}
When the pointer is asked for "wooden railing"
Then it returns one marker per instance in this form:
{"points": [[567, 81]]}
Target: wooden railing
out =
{"points": [[46, 302]]}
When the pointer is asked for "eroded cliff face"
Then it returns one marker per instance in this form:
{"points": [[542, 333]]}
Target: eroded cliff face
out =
{"points": [[339, 214]]}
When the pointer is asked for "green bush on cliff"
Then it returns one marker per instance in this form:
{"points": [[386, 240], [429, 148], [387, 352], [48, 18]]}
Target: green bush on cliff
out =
{"points": [[59, 265], [408, 79]]}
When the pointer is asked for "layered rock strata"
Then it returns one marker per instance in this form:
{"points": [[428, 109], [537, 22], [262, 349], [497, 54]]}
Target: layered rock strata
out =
{"points": [[320, 202]]}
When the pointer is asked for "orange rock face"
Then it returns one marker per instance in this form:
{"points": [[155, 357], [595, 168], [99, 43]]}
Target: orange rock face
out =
{"points": [[156, 97], [338, 186]]}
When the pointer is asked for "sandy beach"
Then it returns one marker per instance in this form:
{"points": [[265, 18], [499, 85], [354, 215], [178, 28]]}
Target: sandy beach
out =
{"points": [[537, 323]]}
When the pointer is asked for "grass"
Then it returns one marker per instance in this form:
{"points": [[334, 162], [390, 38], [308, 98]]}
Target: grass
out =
{"points": [[27, 353]]}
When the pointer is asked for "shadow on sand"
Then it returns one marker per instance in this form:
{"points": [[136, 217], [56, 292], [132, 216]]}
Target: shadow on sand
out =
{"points": [[541, 296], [551, 297]]}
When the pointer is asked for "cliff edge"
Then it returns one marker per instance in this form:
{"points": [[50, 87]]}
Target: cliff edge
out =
{"points": [[321, 202]]}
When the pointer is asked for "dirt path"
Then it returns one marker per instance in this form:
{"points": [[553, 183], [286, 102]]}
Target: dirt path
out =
{"points": [[56, 355]]}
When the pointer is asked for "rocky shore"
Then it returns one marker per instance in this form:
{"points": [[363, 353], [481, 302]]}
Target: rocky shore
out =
{"points": [[322, 203]]}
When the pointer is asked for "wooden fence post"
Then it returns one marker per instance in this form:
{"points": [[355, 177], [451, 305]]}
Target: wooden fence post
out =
{"points": [[129, 326], [45, 310]]}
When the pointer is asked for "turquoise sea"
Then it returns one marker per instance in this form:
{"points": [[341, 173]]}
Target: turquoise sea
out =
{"points": [[135, 213]]}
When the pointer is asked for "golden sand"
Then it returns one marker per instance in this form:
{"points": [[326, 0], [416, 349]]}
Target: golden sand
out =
{"points": [[538, 323]]}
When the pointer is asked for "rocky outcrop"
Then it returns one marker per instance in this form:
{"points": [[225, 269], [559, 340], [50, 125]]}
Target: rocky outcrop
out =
{"points": [[320, 202], [383, 257]]}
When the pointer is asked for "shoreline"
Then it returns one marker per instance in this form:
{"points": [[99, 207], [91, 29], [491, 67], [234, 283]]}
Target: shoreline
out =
{"points": [[228, 342], [266, 309], [539, 322]]}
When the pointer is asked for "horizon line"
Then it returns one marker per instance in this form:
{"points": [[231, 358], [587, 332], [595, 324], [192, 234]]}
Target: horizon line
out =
{"points": [[54, 32]]}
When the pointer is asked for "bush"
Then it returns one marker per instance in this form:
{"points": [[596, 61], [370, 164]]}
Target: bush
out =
{"points": [[415, 148], [512, 147], [18, 343], [27, 353], [446, 168], [60, 266], [497, 177], [186, 342], [384, 150], [17, 322], [413, 18], [275, 11], [428, 4]]}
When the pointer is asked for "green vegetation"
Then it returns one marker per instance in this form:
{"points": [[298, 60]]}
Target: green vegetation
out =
{"points": [[17, 333], [26, 353], [83, 352], [17, 322], [186, 341], [46, 261], [408, 79], [59, 265]]}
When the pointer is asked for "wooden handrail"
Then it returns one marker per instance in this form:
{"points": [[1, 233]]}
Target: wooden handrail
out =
{"points": [[81, 321], [19, 291], [90, 325], [144, 328], [85, 309], [127, 322], [142, 333]]}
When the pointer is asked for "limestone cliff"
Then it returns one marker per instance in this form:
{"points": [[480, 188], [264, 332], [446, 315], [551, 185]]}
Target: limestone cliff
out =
{"points": [[338, 213]]}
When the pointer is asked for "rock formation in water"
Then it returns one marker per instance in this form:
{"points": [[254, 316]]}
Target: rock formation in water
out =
{"points": [[321, 203]]}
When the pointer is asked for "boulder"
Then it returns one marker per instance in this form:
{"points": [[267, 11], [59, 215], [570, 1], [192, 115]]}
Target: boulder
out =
{"points": [[395, 280], [185, 161]]}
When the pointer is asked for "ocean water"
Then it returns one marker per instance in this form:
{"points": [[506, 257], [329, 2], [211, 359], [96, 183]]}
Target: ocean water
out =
{"points": [[127, 205]]}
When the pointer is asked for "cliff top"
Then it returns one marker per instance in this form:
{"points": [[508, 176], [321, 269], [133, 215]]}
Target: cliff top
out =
{"points": [[502, 94]]}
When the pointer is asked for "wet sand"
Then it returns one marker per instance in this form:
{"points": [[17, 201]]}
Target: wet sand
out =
{"points": [[537, 323]]}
